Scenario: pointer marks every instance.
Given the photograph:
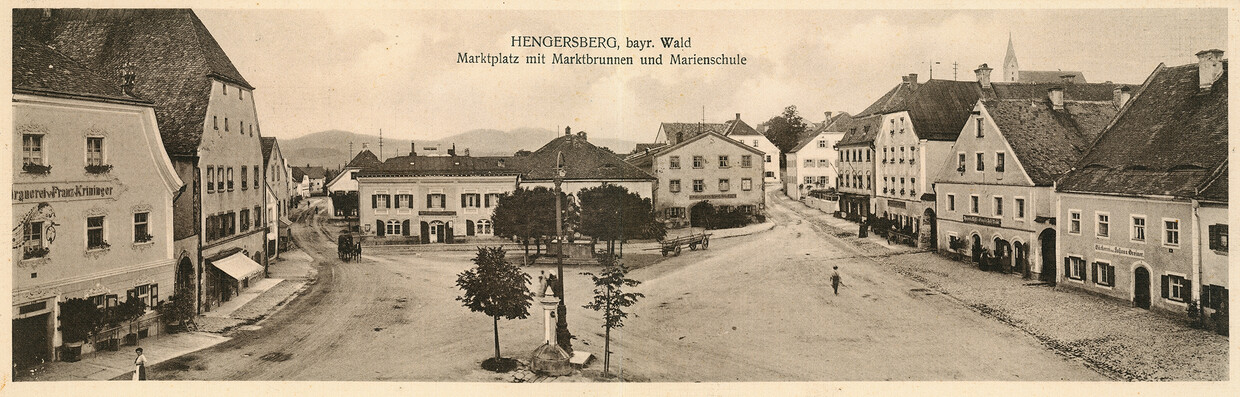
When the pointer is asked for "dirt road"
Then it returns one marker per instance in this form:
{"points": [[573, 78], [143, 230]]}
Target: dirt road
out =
{"points": [[753, 308]]}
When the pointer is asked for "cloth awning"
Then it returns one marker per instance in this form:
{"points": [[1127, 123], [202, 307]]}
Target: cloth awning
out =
{"points": [[238, 266], [284, 222]]}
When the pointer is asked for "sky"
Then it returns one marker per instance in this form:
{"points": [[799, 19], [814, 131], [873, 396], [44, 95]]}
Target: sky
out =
{"points": [[397, 70]]}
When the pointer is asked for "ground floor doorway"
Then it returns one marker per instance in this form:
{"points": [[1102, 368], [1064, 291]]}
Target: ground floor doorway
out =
{"points": [[1141, 288], [32, 343], [1047, 240]]}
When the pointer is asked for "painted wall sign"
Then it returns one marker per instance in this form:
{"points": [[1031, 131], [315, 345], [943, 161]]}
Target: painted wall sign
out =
{"points": [[711, 196], [1121, 251], [896, 204], [63, 192], [982, 220], [441, 213]]}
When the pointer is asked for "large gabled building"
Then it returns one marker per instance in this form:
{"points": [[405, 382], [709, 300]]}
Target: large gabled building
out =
{"points": [[998, 192], [207, 121], [707, 167], [811, 165], [740, 131], [1143, 214], [854, 166], [92, 200]]}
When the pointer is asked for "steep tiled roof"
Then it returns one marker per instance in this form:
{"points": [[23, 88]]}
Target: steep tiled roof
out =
{"points": [[643, 147], [582, 160], [938, 108], [268, 144], [690, 130], [645, 161], [297, 174], [315, 172], [1071, 92], [442, 166], [1048, 76], [1216, 188], [173, 55], [40, 69], [363, 159], [1168, 141], [1047, 142], [860, 129], [738, 127]]}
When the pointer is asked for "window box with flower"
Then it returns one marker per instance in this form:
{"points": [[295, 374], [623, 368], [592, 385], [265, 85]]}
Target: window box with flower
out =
{"points": [[98, 168], [35, 252], [32, 168], [102, 245], [143, 239]]}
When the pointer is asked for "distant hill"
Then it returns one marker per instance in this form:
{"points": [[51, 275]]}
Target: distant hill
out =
{"points": [[331, 148]]}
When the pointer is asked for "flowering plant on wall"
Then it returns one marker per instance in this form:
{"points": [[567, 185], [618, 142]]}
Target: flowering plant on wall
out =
{"points": [[32, 168], [98, 169]]}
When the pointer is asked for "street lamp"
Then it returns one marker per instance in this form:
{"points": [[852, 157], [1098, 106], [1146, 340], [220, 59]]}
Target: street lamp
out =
{"points": [[562, 336]]}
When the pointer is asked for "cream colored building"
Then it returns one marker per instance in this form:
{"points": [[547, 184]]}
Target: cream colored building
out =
{"points": [[997, 192], [91, 197], [812, 164], [706, 167]]}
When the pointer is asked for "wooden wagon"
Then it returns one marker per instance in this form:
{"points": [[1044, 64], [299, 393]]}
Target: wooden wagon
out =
{"points": [[693, 241]]}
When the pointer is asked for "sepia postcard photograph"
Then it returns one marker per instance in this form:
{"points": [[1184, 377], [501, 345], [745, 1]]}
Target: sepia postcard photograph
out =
{"points": [[684, 198]]}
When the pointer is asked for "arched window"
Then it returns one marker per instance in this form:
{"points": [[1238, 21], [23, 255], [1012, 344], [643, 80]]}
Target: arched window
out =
{"points": [[484, 227], [393, 227]]}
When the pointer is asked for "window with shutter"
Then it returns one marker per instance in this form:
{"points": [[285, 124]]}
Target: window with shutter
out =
{"points": [[405, 228], [1165, 287], [1218, 237], [374, 201], [388, 200], [379, 228], [1094, 272]]}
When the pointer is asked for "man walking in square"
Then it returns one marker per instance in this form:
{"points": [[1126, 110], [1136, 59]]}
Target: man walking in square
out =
{"points": [[835, 279]]}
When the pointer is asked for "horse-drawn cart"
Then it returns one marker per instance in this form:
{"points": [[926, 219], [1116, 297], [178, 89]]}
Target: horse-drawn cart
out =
{"points": [[348, 248], [693, 241]]}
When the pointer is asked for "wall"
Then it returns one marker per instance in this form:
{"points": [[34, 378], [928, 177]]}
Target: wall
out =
{"points": [[1158, 258], [1213, 262], [419, 187], [142, 179]]}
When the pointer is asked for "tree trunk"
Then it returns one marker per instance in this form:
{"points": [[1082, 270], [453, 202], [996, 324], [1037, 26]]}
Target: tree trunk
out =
{"points": [[607, 336], [495, 321]]}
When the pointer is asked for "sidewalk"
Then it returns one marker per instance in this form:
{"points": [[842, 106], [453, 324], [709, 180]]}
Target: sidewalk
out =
{"points": [[286, 277], [1109, 335], [106, 365]]}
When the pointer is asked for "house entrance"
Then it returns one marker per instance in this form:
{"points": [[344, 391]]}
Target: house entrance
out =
{"points": [[1047, 240], [31, 344], [1141, 288]]}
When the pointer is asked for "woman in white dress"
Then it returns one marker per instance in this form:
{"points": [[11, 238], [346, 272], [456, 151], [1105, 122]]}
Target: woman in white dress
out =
{"points": [[139, 372]]}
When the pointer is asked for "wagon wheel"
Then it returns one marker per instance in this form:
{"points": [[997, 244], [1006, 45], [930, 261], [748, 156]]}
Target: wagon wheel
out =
{"points": [[693, 246], [677, 250], [705, 242]]}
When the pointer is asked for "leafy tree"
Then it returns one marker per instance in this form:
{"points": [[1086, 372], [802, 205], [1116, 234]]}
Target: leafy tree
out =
{"points": [[785, 131], [179, 308], [345, 203], [495, 287], [79, 319], [611, 212], [529, 216], [610, 299]]}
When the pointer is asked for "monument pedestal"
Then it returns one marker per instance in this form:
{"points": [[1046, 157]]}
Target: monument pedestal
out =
{"points": [[549, 359]]}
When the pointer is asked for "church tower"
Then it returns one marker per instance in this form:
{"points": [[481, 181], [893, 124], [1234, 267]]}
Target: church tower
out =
{"points": [[1011, 69]]}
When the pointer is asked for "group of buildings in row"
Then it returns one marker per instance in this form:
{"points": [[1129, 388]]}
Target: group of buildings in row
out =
{"points": [[139, 169], [1115, 189]]}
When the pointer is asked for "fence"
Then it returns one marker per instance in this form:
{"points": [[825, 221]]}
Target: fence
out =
{"points": [[111, 338]]}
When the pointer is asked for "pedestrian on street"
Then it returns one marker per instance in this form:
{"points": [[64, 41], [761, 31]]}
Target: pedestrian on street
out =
{"points": [[139, 372], [835, 279]]}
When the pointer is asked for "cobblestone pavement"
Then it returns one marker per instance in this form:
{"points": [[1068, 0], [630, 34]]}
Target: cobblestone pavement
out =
{"points": [[1118, 340]]}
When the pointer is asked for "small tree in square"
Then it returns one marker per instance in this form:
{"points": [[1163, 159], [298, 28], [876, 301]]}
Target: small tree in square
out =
{"points": [[610, 299], [497, 288]]}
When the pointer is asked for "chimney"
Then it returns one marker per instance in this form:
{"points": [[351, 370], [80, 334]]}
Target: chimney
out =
{"points": [[452, 151], [1209, 67], [466, 152], [983, 75], [828, 114], [912, 78], [127, 76], [738, 116], [1056, 95], [1122, 94], [582, 135], [568, 130], [1068, 78]]}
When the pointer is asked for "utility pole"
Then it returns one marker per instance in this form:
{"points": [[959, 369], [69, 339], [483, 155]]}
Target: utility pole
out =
{"points": [[350, 149], [563, 338], [380, 144]]}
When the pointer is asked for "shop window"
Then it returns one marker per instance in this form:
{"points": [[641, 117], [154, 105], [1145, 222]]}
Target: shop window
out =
{"points": [[1104, 274], [1075, 267]]}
